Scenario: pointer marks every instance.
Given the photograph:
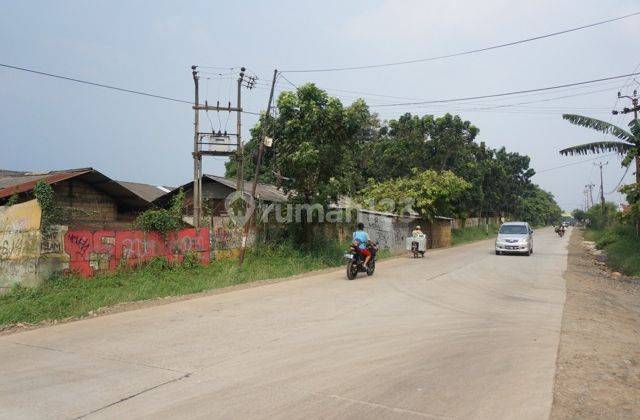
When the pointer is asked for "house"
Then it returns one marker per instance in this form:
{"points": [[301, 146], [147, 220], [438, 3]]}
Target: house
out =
{"points": [[86, 197], [215, 189]]}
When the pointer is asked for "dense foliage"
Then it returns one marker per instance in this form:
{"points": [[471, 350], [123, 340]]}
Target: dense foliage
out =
{"points": [[323, 150], [163, 220], [429, 193], [43, 192]]}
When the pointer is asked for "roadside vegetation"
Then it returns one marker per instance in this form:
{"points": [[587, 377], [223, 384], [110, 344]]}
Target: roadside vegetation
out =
{"points": [[613, 233], [471, 234], [325, 150], [72, 296]]}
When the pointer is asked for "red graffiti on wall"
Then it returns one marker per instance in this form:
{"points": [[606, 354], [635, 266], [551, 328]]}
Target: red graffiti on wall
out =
{"points": [[93, 251]]}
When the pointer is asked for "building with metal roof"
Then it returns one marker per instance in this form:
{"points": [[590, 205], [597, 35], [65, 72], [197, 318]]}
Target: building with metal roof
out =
{"points": [[85, 196]]}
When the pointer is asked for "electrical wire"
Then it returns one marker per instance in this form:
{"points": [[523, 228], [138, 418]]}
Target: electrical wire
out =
{"points": [[86, 82], [497, 95], [474, 51], [574, 163]]}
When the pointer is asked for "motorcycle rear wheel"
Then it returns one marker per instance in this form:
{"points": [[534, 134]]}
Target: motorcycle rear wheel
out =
{"points": [[352, 270], [372, 268]]}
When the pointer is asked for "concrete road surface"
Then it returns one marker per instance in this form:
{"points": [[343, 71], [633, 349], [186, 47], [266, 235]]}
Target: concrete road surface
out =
{"points": [[462, 333]]}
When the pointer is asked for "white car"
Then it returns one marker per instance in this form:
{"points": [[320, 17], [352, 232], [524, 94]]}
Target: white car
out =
{"points": [[515, 237]]}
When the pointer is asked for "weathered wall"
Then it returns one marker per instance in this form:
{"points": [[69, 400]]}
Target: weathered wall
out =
{"points": [[226, 238], [28, 256], [439, 233], [389, 231], [83, 204], [19, 244], [91, 252]]}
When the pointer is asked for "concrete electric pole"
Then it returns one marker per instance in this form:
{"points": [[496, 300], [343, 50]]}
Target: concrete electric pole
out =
{"points": [[215, 144], [603, 208], [635, 107]]}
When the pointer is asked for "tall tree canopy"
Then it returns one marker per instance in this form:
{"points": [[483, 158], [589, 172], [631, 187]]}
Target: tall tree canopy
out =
{"points": [[323, 149]]}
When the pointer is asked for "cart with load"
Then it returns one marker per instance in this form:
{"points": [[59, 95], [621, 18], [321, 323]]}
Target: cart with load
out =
{"points": [[417, 245]]}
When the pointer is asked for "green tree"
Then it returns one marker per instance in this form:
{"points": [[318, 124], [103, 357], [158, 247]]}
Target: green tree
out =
{"points": [[314, 142], [431, 193], [579, 214], [538, 207]]}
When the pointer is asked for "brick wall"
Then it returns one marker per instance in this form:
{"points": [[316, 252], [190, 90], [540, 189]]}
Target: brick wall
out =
{"points": [[83, 204]]}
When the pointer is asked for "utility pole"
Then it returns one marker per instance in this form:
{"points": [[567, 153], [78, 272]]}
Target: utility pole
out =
{"points": [[603, 208], [589, 188], [197, 158], [239, 148], [263, 133], [635, 107], [215, 144]]}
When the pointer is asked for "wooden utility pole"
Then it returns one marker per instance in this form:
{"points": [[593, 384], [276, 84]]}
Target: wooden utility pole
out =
{"points": [[197, 158], [263, 133]]}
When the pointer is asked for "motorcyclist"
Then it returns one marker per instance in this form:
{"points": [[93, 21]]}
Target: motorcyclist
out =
{"points": [[362, 238], [417, 232]]}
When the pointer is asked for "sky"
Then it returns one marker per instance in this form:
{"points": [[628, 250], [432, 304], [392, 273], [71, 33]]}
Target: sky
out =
{"points": [[50, 124]]}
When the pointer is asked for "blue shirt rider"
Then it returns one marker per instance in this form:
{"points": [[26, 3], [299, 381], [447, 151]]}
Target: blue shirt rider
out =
{"points": [[363, 238]]}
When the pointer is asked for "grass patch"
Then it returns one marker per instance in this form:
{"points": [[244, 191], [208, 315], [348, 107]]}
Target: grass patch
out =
{"points": [[471, 234], [68, 296], [622, 246]]}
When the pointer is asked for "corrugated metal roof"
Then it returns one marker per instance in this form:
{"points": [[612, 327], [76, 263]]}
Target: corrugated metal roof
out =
{"points": [[146, 191], [265, 192], [12, 182]]}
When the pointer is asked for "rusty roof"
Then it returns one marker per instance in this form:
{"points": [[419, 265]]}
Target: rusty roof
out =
{"points": [[15, 182]]}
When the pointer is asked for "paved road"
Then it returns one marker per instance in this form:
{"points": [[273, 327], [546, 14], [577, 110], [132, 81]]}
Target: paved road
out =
{"points": [[462, 333]]}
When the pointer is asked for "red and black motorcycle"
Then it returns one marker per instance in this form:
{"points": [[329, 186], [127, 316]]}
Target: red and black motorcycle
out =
{"points": [[355, 260]]}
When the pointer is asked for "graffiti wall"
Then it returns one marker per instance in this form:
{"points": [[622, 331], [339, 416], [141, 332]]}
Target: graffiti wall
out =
{"points": [[226, 241], [19, 244], [91, 252]]}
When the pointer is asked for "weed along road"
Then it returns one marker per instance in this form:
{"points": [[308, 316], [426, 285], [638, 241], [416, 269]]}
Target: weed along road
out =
{"points": [[462, 333]]}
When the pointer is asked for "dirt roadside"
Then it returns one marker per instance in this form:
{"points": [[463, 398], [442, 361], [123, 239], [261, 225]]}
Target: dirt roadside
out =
{"points": [[598, 365]]}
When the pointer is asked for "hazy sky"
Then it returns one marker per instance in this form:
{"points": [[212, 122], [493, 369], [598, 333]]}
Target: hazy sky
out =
{"points": [[48, 124]]}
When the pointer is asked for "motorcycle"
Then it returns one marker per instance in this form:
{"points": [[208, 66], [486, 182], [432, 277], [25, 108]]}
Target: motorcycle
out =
{"points": [[355, 261], [560, 232]]}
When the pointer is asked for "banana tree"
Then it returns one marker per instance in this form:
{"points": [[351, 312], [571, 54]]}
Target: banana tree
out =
{"points": [[628, 145]]}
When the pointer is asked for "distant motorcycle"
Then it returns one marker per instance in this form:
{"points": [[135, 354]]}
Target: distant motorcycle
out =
{"points": [[560, 232], [355, 261]]}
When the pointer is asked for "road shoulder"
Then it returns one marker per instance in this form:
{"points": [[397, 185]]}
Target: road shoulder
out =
{"points": [[598, 364]]}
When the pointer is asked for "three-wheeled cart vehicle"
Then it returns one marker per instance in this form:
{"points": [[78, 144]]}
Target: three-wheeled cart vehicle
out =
{"points": [[417, 245]]}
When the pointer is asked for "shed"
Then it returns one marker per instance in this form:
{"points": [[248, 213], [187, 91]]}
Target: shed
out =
{"points": [[87, 197]]}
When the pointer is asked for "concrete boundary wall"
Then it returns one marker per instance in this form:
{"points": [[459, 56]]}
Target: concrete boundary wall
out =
{"points": [[19, 244]]}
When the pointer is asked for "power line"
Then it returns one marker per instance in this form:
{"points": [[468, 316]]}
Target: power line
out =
{"points": [[442, 57], [288, 81], [496, 95], [86, 82], [575, 163], [116, 88]]}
